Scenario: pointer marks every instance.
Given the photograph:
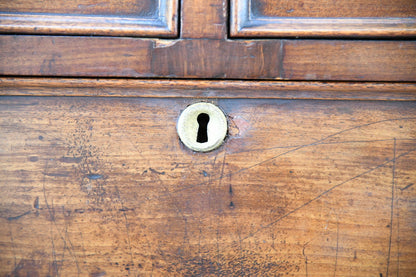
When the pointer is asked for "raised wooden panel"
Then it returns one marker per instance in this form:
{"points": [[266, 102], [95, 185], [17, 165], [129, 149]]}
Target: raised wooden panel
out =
{"points": [[145, 18], [103, 187], [309, 18]]}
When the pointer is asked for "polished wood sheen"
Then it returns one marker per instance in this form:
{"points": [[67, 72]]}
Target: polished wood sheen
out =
{"points": [[207, 89], [347, 60], [87, 7], [317, 173], [103, 187], [148, 18], [340, 9], [204, 19], [309, 18]]}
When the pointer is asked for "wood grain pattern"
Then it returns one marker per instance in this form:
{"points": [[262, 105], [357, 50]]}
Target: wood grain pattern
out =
{"points": [[327, 8], [128, 57], [207, 89], [83, 56], [103, 187], [337, 60], [303, 18], [204, 19], [148, 18], [347, 60], [94, 180], [85, 7]]}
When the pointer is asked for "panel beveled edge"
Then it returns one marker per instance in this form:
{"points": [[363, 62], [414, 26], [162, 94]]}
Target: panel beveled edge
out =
{"points": [[164, 25], [244, 24]]}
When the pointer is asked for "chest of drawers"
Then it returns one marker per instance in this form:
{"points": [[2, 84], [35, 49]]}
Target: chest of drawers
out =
{"points": [[315, 177]]}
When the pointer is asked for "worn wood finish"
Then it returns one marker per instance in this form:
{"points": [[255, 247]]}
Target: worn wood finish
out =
{"points": [[204, 19], [315, 178], [86, 7], [347, 60], [149, 18], [207, 89], [119, 57], [341, 9], [308, 18], [337, 60], [88, 187]]}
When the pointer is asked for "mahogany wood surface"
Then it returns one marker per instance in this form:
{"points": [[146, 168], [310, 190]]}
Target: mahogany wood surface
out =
{"points": [[103, 187], [144, 18], [347, 60], [316, 175], [207, 89], [326, 8], [206, 19], [309, 18], [88, 7]]}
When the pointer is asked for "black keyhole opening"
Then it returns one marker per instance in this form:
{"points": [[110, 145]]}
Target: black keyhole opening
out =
{"points": [[203, 120]]}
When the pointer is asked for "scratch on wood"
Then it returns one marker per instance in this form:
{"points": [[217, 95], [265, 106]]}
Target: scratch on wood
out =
{"points": [[337, 249], [126, 222], [63, 250], [398, 233], [326, 192], [71, 250], [320, 143], [55, 268], [217, 241], [13, 246], [51, 212], [306, 258], [296, 148], [157, 172], [94, 176], [392, 206], [406, 187], [11, 218], [222, 168]]}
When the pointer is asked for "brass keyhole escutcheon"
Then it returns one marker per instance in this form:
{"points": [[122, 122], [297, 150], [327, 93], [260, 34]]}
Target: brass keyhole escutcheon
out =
{"points": [[202, 127]]}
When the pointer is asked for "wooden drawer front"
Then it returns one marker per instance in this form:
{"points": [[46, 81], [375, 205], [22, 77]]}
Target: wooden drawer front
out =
{"points": [[103, 186], [203, 49], [348, 60], [151, 18], [365, 18]]}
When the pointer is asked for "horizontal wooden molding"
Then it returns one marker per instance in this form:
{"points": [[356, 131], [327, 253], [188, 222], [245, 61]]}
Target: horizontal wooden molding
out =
{"points": [[163, 24], [244, 24], [158, 88]]}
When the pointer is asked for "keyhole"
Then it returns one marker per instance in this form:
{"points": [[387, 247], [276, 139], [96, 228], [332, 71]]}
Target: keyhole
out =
{"points": [[203, 120]]}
